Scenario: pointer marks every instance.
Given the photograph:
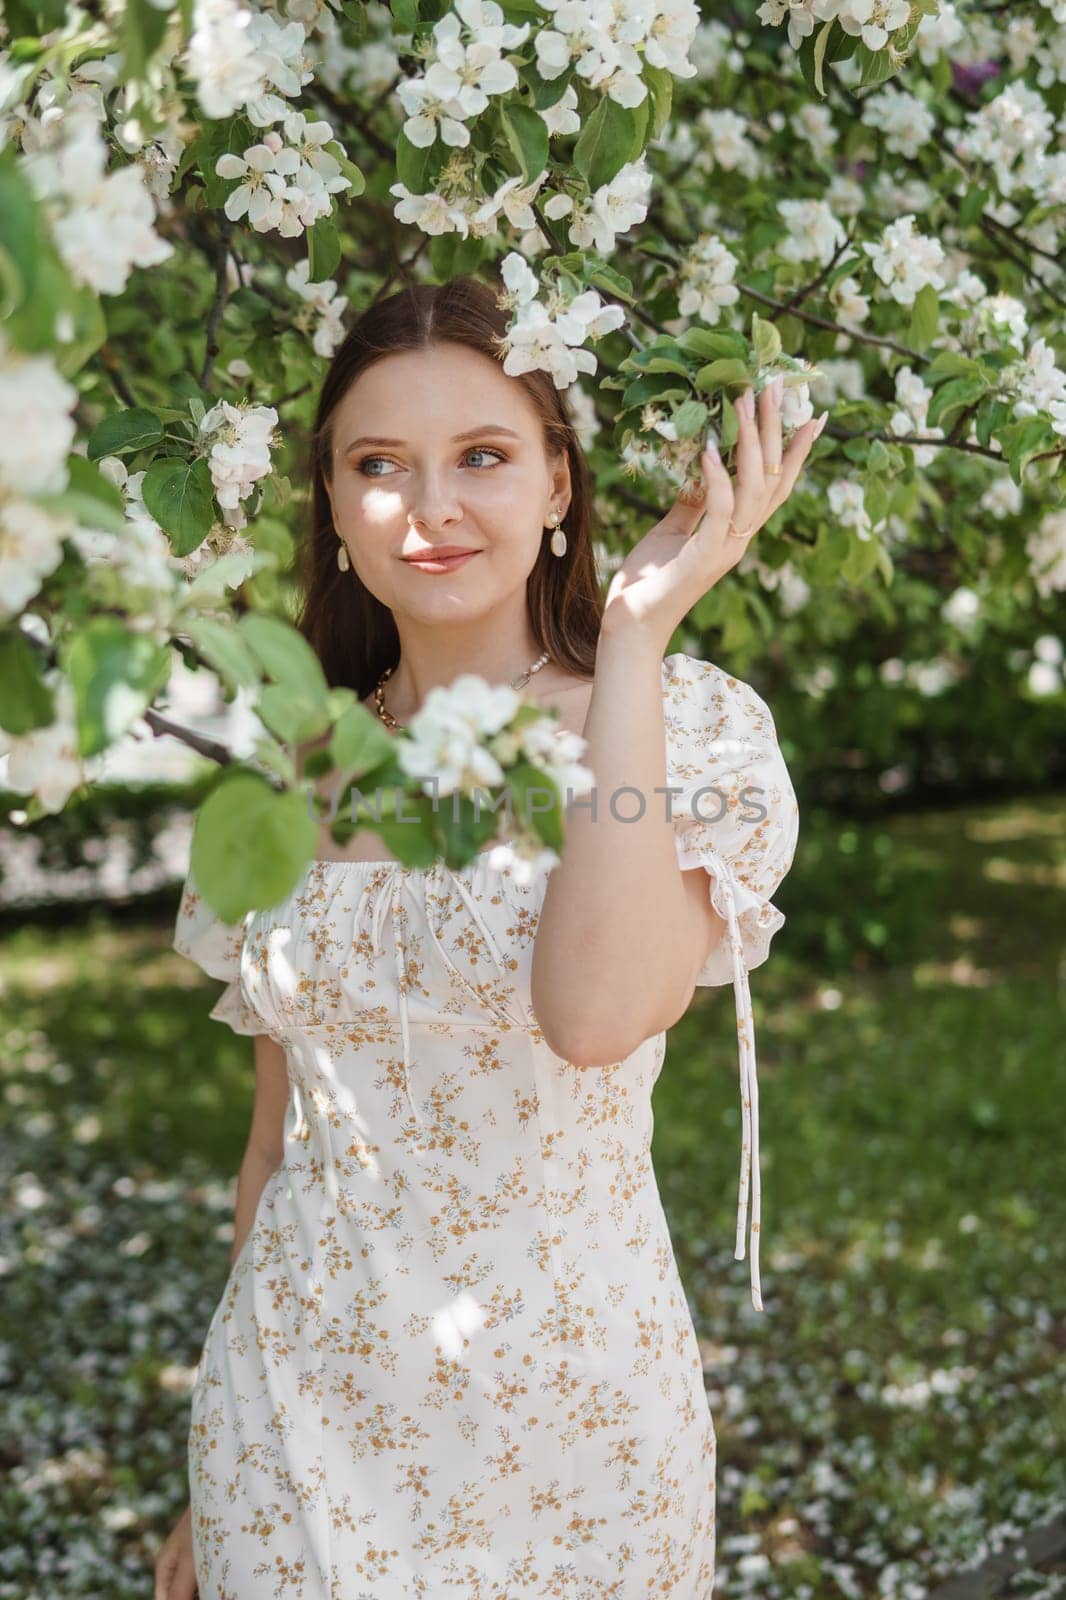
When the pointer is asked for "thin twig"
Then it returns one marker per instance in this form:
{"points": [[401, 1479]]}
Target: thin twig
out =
{"points": [[109, 362], [210, 748], [215, 316]]}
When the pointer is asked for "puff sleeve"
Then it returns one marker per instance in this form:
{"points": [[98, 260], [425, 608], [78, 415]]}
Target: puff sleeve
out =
{"points": [[216, 947], [735, 815]]}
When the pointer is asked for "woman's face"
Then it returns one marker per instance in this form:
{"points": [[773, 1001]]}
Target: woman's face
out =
{"points": [[464, 465]]}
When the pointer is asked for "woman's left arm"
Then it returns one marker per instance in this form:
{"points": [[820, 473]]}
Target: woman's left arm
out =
{"points": [[623, 931], [622, 935]]}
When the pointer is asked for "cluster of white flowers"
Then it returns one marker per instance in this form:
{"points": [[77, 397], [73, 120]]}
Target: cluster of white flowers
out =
{"points": [[1002, 498], [792, 589], [1046, 548], [284, 187], [839, 377], [36, 435], [135, 571], [851, 305], [725, 142], [912, 399], [614, 208], [1012, 134], [464, 73], [103, 223], [996, 313], [814, 122], [872, 21], [45, 761], [905, 121], [609, 43], [847, 501], [938, 34], [706, 278], [1037, 384], [239, 438], [796, 407], [714, 49], [814, 233], [322, 310], [551, 336], [238, 54], [905, 260], [457, 205], [462, 740]]}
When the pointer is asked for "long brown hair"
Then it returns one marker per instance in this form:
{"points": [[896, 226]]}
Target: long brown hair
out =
{"points": [[351, 631]]}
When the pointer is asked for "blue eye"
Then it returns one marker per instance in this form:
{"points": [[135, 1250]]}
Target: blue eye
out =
{"points": [[475, 450]]}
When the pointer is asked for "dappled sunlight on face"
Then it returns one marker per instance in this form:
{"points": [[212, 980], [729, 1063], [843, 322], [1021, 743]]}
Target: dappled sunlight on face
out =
{"points": [[440, 447]]}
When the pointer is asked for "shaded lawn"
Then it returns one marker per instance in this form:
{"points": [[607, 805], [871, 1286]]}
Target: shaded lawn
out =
{"points": [[891, 1413]]}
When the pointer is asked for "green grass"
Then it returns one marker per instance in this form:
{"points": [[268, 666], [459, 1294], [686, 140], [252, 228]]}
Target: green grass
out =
{"points": [[887, 1418]]}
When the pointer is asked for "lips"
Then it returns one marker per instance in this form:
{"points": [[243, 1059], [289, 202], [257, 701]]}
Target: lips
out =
{"points": [[441, 563], [441, 553]]}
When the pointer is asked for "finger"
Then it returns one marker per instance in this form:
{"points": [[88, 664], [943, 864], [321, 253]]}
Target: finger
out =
{"points": [[750, 489], [770, 426], [795, 458], [719, 501]]}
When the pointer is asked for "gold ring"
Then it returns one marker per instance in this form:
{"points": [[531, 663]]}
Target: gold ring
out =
{"points": [[733, 534], [772, 472]]}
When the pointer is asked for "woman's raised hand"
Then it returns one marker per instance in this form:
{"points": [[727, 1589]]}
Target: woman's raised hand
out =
{"points": [[697, 542]]}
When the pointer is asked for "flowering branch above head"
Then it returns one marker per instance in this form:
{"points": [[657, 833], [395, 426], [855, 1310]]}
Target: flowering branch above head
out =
{"points": [[684, 390]]}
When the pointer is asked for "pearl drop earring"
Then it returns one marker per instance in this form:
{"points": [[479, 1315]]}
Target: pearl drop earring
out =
{"points": [[558, 539], [342, 556]]}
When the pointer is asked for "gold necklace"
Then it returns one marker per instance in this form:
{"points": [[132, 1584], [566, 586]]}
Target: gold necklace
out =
{"points": [[390, 721]]}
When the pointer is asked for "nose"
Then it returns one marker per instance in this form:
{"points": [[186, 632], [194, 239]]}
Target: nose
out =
{"points": [[433, 501]]}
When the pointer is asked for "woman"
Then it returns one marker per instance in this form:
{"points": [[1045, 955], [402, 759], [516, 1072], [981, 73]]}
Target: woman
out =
{"points": [[454, 1353]]}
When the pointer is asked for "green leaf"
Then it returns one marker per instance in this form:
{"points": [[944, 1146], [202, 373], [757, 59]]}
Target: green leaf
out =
{"points": [[298, 708], [766, 339], [323, 250], [973, 204], [820, 47], [114, 674], [89, 498], [359, 742], [660, 84], [414, 166], [992, 413], [925, 315], [723, 373], [26, 701], [604, 144], [650, 388], [143, 28], [729, 430], [179, 496], [690, 419], [710, 345], [949, 364], [250, 845], [1025, 440], [349, 170], [527, 134], [124, 433], [224, 650], [531, 789], [953, 396]]}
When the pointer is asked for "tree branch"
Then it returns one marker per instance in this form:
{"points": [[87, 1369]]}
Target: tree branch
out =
{"points": [[221, 291]]}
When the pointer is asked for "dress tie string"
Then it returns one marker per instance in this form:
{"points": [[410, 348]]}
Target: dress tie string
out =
{"points": [[749, 1084], [390, 900]]}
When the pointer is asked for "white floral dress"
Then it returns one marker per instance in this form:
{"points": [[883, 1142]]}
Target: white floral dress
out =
{"points": [[454, 1355]]}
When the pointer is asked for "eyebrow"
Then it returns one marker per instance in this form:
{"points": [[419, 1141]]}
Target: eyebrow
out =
{"points": [[471, 433]]}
